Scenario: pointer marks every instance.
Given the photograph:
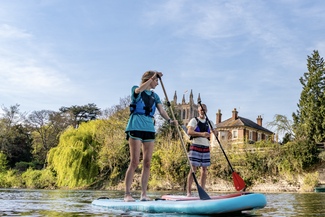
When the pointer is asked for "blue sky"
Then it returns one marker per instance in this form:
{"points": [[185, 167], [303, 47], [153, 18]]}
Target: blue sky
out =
{"points": [[240, 54]]}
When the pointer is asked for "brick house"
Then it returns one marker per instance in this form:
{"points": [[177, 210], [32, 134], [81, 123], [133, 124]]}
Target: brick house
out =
{"points": [[236, 129]]}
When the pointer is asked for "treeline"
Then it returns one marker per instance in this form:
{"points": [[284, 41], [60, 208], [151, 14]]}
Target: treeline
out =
{"points": [[84, 147]]}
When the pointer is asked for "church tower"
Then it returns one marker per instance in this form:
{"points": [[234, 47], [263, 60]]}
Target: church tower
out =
{"points": [[185, 110]]}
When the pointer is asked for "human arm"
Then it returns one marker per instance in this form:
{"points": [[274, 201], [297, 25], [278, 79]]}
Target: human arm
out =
{"points": [[214, 130], [164, 114], [192, 132], [146, 84]]}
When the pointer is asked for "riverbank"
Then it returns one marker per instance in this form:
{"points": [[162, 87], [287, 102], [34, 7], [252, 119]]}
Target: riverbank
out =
{"points": [[304, 182]]}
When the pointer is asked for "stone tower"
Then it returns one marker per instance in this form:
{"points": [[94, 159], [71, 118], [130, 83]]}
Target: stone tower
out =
{"points": [[186, 111]]}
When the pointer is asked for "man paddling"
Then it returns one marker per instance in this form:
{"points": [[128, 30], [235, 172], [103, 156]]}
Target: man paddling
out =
{"points": [[199, 154]]}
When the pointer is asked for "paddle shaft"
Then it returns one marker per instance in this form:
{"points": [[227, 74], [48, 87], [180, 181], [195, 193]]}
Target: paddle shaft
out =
{"points": [[207, 119], [179, 132], [203, 195]]}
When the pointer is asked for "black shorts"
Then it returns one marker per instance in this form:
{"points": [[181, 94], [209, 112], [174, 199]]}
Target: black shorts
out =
{"points": [[141, 135]]}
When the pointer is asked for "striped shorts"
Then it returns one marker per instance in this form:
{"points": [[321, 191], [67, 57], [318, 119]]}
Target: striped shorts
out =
{"points": [[199, 155]]}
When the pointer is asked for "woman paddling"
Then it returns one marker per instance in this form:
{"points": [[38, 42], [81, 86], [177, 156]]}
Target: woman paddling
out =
{"points": [[141, 129]]}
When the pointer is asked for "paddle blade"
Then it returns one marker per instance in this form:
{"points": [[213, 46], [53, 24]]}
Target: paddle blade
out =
{"points": [[203, 195], [238, 181]]}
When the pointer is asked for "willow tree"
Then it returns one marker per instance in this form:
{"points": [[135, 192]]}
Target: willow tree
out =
{"points": [[309, 120], [75, 158]]}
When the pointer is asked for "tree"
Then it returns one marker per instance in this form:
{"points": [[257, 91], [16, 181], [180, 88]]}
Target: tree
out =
{"points": [[11, 116], [45, 127], [3, 162], [165, 128], [82, 113], [19, 145], [309, 121], [282, 126], [287, 138]]}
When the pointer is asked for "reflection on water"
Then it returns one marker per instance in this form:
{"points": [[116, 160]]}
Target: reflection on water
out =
{"points": [[28, 202]]}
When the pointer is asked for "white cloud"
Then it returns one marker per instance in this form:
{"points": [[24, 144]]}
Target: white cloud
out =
{"points": [[10, 32], [24, 69]]}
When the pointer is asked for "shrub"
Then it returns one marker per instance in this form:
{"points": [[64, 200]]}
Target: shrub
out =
{"points": [[3, 162], [11, 178], [23, 166], [310, 181], [39, 178]]}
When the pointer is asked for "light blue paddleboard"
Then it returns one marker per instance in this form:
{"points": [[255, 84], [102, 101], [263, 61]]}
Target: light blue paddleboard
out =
{"points": [[213, 206]]}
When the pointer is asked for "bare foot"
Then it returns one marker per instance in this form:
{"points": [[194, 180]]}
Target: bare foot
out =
{"points": [[145, 198], [128, 198], [189, 195]]}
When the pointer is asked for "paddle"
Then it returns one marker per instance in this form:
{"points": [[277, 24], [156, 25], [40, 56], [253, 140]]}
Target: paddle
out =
{"points": [[203, 195], [238, 181]]}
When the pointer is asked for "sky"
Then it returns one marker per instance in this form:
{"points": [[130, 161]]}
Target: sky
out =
{"points": [[241, 54]]}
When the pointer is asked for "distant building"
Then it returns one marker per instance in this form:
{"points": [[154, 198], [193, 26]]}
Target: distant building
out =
{"points": [[236, 129], [233, 130], [187, 111]]}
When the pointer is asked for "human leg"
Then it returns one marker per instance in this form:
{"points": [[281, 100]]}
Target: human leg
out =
{"points": [[135, 146], [204, 172], [190, 181], [147, 149]]}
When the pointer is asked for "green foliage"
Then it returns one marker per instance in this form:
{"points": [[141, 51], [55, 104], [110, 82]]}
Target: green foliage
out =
{"points": [[282, 125], [113, 157], [263, 159], [166, 129], [45, 127], [321, 156], [168, 163], [10, 117], [3, 162], [287, 138], [297, 156], [310, 181], [83, 113], [39, 178], [309, 121], [11, 178], [23, 166], [18, 145], [74, 159]]}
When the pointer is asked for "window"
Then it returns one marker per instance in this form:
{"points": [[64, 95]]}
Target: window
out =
{"points": [[222, 135], [234, 134], [183, 114], [259, 137], [266, 137], [250, 135]]}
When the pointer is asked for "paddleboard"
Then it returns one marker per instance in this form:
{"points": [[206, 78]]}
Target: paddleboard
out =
{"points": [[196, 206], [178, 197]]}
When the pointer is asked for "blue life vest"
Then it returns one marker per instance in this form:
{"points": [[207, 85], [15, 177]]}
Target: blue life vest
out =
{"points": [[145, 106], [201, 127]]}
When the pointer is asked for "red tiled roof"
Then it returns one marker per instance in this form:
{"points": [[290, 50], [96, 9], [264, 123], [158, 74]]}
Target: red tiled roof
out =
{"points": [[240, 122]]}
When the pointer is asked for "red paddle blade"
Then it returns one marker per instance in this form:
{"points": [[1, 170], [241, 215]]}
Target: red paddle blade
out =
{"points": [[238, 181]]}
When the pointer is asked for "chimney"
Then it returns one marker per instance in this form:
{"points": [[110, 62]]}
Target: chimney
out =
{"points": [[259, 120], [234, 114], [219, 116]]}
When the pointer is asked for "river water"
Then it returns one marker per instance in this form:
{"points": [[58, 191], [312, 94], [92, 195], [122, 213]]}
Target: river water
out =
{"points": [[30, 202]]}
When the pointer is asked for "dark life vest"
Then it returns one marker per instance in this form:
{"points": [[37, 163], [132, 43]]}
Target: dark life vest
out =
{"points": [[201, 127], [145, 106]]}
